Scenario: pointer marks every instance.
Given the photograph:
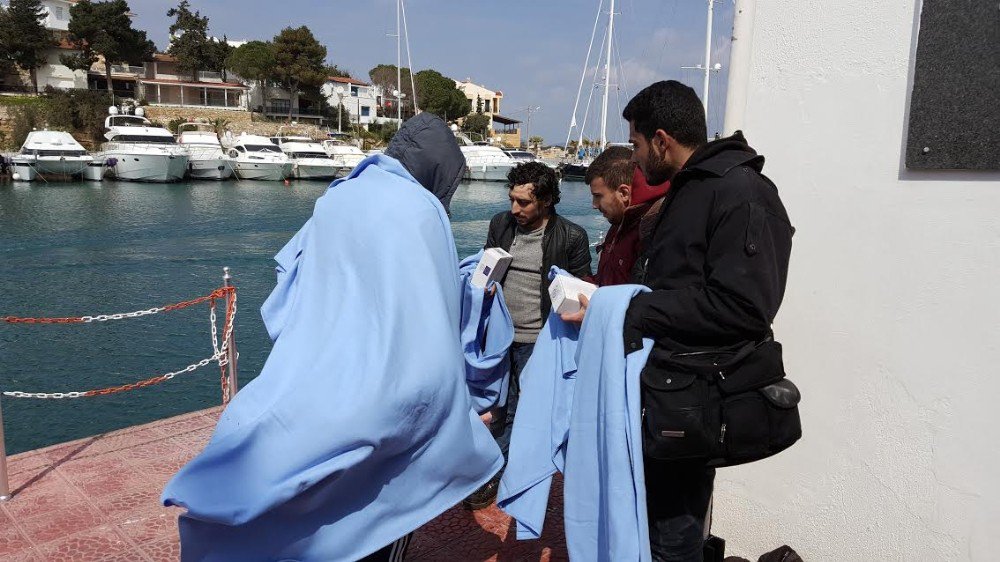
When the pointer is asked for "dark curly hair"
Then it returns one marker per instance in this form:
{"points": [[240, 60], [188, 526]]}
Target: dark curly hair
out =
{"points": [[671, 106], [542, 177]]}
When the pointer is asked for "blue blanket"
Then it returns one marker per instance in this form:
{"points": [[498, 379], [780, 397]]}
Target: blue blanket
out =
{"points": [[359, 429], [487, 332], [583, 417]]}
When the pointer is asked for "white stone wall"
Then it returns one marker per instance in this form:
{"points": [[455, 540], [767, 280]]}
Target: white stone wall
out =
{"points": [[59, 76], [58, 14], [890, 320]]}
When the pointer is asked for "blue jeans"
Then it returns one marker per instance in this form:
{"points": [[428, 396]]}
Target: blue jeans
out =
{"points": [[504, 424]]}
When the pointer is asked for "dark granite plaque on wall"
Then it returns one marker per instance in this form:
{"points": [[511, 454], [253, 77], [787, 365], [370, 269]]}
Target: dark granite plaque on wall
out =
{"points": [[955, 105]]}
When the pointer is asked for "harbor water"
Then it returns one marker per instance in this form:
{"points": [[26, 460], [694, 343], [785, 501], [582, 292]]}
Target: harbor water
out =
{"points": [[75, 249]]}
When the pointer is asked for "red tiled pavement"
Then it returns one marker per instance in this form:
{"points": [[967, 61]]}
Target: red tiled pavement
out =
{"points": [[96, 499]]}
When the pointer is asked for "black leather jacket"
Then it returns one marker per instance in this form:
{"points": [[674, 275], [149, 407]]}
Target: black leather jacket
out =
{"points": [[564, 244]]}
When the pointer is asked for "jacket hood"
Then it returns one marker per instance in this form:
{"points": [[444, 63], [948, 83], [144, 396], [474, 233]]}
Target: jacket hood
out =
{"points": [[642, 192], [722, 155], [428, 150]]}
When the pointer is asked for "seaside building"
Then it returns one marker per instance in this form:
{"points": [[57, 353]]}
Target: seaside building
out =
{"points": [[54, 73], [162, 83], [360, 98], [487, 101]]}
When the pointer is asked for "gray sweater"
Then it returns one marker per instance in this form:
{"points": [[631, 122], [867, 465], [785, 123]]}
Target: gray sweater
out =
{"points": [[522, 285]]}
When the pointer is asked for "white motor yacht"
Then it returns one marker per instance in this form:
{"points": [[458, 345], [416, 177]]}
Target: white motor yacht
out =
{"points": [[483, 162], [345, 155], [207, 161], [138, 151], [309, 160], [520, 156], [50, 153], [257, 158]]}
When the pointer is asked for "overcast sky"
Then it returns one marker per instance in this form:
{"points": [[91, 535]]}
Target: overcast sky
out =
{"points": [[531, 50]]}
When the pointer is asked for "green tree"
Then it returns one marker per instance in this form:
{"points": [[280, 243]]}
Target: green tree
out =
{"points": [[336, 72], [26, 118], [103, 30], [439, 95], [6, 65], [24, 38], [216, 54], [535, 141], [220, 125], [300, 60], [254, 62], [476, 123], [384, 76], [189, 42], [80, 112]]}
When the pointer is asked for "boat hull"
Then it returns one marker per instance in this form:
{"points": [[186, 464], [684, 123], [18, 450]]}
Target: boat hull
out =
{"points": [[95, 170], [264, 171], [488, 172], [210, 169], [315, 171], [23, 171], [31, 167], [573, 171], [157, 168]]}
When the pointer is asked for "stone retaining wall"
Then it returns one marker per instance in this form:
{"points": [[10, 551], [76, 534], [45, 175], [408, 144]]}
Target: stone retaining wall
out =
{"points": [[239, 121], [6, 129]]}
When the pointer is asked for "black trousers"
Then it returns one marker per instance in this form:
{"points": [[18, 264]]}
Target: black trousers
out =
{"points": [[678, 495], [395, 552]]}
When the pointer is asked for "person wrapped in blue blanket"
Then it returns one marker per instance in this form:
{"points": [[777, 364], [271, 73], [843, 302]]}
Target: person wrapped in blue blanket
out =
{"points": [[580, 415], [360, 428]]}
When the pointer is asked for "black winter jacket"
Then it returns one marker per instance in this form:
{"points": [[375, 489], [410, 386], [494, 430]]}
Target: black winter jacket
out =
{"points": [[564, 244], [717, 259]]}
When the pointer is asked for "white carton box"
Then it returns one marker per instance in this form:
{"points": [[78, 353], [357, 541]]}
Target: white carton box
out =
{"points": [[492, 267], [564, 292]]}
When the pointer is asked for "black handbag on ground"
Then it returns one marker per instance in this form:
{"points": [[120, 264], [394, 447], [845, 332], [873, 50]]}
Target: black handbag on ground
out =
{"points": [[724, 407]]}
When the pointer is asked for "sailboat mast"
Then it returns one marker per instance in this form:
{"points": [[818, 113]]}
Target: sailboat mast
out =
{"points": [[583, 74], [607, 78], [708, 56], [399, 62]]}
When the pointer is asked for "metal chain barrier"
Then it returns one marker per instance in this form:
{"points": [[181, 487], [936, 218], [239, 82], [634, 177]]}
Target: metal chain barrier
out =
{"points": [[220, 352], [218, 293]]}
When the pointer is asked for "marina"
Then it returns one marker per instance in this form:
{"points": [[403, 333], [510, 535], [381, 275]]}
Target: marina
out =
{"points": [[129, 246], [150, 175]]}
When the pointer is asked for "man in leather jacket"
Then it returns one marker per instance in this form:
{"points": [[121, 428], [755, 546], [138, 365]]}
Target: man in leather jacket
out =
{"points": [[538, 238]]}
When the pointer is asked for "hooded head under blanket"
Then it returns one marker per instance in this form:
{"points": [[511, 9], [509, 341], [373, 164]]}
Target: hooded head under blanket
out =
{"points": [[359, 428]]}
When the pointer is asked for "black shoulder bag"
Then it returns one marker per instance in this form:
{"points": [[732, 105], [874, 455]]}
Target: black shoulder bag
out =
{"points": [[724, 407]]}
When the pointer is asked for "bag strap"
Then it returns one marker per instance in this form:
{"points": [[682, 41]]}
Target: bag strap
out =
{"points": [[695, 360]]}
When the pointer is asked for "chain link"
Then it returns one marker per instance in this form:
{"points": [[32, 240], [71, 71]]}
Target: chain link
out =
{"points": [[220, 352], [218, 293]]}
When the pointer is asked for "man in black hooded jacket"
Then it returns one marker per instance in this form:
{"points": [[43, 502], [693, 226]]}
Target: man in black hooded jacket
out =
{"points": [[716, 261]]}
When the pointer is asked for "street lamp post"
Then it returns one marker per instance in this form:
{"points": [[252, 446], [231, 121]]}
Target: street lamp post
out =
{"points": [[399, 105], [339, 90]]}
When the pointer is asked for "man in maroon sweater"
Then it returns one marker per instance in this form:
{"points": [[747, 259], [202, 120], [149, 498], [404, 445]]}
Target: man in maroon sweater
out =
{"points": [[622, 195]]}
